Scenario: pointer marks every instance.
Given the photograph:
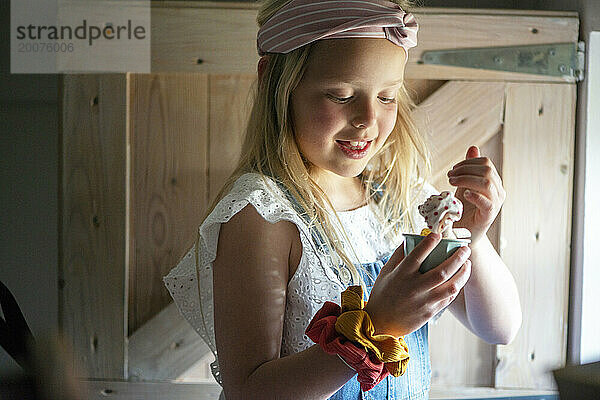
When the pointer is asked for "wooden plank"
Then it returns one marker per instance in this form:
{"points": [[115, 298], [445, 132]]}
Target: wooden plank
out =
{"points": [[200, 372], [464, 393], [231, 98], [457, 115], [421, 10], [445, 31], [496, 11], [494, 150], [183, 35], [165, 348], [536, 228], [121, 390], [169, 138], [475, 366], [420, 89], [92, 225]]}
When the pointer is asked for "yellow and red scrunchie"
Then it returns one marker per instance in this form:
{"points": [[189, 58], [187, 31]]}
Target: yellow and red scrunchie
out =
{"points": [[349, 333]]}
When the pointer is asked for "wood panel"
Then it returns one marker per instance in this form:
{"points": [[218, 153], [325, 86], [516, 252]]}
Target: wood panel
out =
{"points": [[421, 89], [92, 222], [457, 115], [115, 390], [475, 366], [535, 228], [494, 149], [190, 37], [446, 31], [169, 141], [166, 348], [230, 104]]}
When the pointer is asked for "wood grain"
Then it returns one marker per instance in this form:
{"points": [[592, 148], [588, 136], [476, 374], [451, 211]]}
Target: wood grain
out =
{"points": [[92, 224], [119, 390], [420, 89], [169, 141], [188, 38], [536, 228], [166, 348], [475, 364], [494, 150], [457, 115], [230, 104]]}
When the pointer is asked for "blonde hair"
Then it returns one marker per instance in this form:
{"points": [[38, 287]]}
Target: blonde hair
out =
{"points": [[270, 149]]}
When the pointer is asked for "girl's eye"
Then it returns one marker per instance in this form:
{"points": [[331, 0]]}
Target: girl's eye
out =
{"points": [[386, 100], [340, 99]]}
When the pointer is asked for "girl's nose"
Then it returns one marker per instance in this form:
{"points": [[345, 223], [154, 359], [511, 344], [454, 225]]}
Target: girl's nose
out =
{"points": [[365, 115]]}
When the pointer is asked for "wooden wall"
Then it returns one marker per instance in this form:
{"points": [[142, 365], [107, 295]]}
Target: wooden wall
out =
{"points": [[144, 154]]}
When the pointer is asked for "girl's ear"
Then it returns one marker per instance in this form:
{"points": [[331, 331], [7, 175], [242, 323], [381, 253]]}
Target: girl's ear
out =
{"points": [[262, 64]]}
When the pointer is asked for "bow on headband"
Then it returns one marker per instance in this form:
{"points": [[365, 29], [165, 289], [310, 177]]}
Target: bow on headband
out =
{"points": [[301, 22]]}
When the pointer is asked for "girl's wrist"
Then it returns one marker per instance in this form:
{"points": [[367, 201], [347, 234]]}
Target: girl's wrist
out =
{"points": [[479, 243], [349, 334]]}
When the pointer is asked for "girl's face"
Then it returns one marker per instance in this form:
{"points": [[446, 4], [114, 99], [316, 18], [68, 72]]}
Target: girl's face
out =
{"points": [[347, 94]]}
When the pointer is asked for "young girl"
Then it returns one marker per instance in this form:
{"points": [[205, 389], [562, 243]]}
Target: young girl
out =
{"points": [[331, 172]]}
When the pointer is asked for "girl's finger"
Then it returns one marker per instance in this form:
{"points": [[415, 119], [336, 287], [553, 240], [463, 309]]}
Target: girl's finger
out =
{"points": [[478, 170], [440, 274], [479, 160], [480, 201], [394, 260], [414, 259], [476, 183], [473, 161], [452, 286]]}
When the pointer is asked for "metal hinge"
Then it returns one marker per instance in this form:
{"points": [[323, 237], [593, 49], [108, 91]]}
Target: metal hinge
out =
{"points": [[566, 60]]}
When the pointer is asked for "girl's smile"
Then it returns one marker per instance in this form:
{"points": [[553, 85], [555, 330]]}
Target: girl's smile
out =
{"points": [[355, 150], [344, 107]]}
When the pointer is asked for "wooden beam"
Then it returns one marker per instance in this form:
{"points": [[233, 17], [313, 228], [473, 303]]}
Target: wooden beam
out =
{"points": [[121, 390], [230, 103], [93, 260], [169, 168], [475, 367], [191, 37], [165, 348], [473, 393], [421, 10], [459, 113], [420, 89], [538, 162]]}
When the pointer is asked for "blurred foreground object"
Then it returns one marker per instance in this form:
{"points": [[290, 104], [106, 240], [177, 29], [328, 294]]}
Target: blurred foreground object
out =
{"points": [[579, 382], [46, 375]]}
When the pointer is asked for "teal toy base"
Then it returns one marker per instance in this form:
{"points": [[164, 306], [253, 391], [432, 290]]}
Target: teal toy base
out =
{"points": [[444, 249]]}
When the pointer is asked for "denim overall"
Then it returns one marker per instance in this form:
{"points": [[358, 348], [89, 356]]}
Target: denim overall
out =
{"points": [[415, 382]]}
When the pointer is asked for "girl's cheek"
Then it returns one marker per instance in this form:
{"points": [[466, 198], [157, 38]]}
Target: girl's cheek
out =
{"points": [[389, 123], [325, 116]]}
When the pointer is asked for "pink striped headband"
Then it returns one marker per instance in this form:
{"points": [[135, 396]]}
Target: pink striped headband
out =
{"points": [[301, 22]]}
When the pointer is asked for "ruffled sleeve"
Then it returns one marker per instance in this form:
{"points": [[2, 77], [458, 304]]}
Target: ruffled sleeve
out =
{"points": [[190, 283]]}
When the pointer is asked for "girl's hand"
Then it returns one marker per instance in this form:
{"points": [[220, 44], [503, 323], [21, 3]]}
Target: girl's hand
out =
{"points": [[403, 299], [479, 187]]}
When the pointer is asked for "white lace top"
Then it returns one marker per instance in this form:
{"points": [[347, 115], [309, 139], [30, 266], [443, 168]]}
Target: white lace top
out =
{"points": [[315, 281]]}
